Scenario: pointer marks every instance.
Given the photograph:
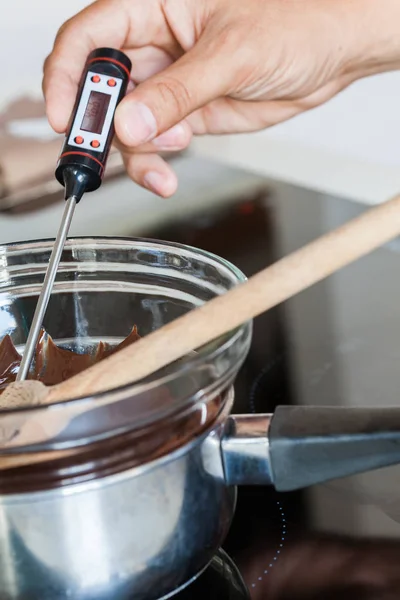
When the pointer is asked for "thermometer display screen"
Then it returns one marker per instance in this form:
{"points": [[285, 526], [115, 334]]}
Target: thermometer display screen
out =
{"points": [[95, 113]]}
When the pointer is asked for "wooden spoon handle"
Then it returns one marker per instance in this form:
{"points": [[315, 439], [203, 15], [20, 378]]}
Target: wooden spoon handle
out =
{"points": [[269, 287]]}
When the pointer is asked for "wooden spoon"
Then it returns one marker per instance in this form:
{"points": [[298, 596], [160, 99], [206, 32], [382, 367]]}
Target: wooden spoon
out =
{"points": [[266, 289]]}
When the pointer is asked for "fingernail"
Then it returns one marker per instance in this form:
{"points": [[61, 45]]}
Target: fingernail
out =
{"points": [[154, 181], [138, 122], [173, 138]]}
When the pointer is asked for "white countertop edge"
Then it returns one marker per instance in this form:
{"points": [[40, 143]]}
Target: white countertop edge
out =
{"points": [[308, 167]]}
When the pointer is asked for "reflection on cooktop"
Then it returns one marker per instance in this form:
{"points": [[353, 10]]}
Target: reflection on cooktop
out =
{"points": [[338, 343]]}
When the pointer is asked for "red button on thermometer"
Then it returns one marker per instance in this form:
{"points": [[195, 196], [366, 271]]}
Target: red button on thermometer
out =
{"points": [[82, 160]]}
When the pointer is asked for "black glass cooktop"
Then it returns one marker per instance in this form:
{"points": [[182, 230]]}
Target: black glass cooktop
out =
{"points": [[336, 344]]}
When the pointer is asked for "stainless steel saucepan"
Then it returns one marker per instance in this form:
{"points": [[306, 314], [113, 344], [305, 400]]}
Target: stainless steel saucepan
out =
{"points": [[131, 497]]}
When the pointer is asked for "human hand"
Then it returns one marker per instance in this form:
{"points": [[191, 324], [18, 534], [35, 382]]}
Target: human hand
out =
{"points": [[215, 67]]}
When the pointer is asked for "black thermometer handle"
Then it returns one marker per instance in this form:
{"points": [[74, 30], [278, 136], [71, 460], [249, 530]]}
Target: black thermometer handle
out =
{"points": [[91, 128]]}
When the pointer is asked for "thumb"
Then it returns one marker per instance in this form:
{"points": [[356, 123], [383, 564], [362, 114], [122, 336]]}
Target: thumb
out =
{"points": [[167, 98]]}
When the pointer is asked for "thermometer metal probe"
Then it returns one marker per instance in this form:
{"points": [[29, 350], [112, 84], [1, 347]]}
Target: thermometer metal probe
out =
{"points": [[82, 160]]}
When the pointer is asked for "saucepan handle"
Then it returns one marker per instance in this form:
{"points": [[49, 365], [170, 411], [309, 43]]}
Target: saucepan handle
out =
{"points": [[299, 446]]}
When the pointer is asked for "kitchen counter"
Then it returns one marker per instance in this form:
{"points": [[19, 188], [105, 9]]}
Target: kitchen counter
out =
{"points": [[120, 207], [306, 166]]}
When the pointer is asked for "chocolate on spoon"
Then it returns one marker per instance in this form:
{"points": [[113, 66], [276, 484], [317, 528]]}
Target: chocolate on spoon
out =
{"points": [[222, 314], [52, 364]]}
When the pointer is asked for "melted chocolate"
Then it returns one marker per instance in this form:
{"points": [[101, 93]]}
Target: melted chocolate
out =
{"points": [[9, 362], [53, 364], [20, 472]]}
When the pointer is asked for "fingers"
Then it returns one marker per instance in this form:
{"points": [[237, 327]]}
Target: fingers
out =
{"points": [[174, 140], [160, 102], [148, 169], [170, 96], [110, 23], [151, 172]]}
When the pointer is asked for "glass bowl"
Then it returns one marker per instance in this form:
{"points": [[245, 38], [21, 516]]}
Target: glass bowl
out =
{"points": [[105, 286]]}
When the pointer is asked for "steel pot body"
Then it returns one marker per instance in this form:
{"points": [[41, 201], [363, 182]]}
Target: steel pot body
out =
{"points": [[140, 533]]}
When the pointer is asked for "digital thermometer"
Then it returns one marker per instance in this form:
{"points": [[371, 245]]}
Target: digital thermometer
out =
{"points": [[91, 129]]}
